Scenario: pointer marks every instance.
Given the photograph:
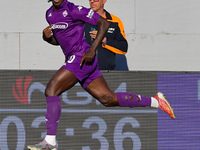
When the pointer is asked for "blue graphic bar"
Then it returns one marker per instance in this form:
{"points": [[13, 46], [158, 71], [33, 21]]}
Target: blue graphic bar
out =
{"points": [[122, 111]]}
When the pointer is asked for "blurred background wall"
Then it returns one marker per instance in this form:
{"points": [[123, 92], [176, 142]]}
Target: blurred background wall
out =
{"points": [[162, 35]]}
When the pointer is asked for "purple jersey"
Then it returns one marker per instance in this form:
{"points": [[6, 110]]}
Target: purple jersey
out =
{"points": [[68, 26]]}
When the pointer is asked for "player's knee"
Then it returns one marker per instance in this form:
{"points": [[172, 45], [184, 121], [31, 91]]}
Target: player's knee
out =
{"points": [[47, 92], [50, 91]]}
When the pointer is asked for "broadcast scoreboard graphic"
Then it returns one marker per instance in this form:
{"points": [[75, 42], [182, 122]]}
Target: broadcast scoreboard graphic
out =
{"points": [[85, 124]]}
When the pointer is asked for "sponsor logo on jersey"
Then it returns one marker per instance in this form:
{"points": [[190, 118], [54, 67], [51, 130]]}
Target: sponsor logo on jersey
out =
{"points": [[90, 14], [60, 25], [111, 30]]}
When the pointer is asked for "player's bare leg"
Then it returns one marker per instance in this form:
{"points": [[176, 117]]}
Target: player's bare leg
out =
{"points": [[100, 90], [61, 81]]}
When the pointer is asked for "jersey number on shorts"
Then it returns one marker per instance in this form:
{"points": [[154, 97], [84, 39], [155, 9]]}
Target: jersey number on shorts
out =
{"points": [[71, 59]]}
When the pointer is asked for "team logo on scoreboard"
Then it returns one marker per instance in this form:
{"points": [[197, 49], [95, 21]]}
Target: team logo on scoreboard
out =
{"points": [[23, 89], [20, 89]]}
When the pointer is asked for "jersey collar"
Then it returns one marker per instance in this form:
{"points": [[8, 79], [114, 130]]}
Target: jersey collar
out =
{"points": [[108, 16], [65, 2]]}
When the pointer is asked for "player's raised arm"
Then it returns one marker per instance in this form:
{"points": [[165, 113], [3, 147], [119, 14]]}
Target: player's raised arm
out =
{"points": [[103, 26]]}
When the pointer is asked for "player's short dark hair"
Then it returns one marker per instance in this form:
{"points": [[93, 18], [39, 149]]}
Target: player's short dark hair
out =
{"points": [[49, 0]]}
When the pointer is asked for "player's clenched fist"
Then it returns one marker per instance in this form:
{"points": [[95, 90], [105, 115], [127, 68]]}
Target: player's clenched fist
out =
{"points": [[47, 33]]}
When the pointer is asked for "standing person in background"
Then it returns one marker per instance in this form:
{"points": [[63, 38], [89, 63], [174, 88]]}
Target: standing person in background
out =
{"points": [[111, 52], [66, 29]]}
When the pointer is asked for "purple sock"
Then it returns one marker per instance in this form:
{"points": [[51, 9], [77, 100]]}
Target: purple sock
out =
{"points": [[52, 114], [126, 99]]}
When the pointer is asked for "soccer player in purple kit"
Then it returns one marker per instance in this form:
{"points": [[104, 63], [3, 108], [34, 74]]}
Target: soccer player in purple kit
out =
{"points": [[66, 28]]}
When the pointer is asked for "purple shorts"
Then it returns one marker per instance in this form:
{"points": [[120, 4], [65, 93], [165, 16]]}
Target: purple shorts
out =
{"points": [[85, 73]]}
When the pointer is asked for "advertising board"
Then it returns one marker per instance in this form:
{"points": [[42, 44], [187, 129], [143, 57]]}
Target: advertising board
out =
{"points": [[85, 124]]}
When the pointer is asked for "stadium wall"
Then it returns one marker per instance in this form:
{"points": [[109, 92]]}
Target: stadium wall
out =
{"points": [[87, 125], [162, 35]]}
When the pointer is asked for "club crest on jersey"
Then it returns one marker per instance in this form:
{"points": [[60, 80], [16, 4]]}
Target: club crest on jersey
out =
{"points": [[60, 25], [65, 13]]}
